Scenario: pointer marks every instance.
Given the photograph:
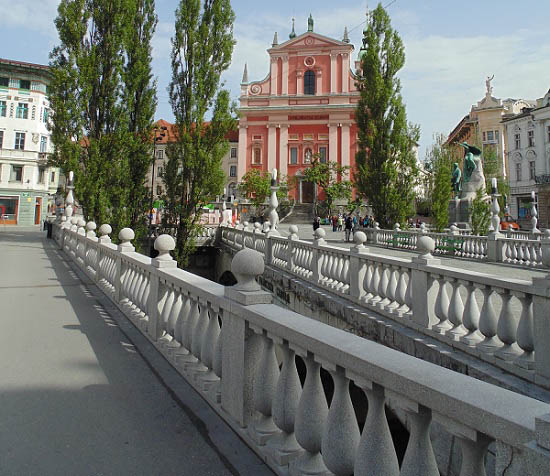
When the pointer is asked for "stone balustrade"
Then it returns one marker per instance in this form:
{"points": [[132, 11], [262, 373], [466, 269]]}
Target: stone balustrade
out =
{"points": [[512, 247], [239, 352], [501, 321]]}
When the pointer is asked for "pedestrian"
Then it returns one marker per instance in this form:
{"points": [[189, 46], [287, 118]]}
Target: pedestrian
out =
{"points": [[340, 222], [316, 223], [334, 223], [348, 227]]}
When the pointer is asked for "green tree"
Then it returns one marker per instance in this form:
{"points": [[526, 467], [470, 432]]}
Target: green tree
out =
{"points": [[256, 187], [202, 46], [386, 168], [439, 162], [480, 214], [492, 168], [330, 177], [103, 101]]}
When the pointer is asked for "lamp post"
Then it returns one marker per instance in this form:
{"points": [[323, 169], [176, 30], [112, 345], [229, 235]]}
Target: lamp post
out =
{"points": [[495, 208], [158, 133]]}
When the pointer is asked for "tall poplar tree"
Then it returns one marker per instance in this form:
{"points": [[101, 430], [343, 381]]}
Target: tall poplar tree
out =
{"points": [[439, 162], [202, 47], [386, 169], [103, 101]]}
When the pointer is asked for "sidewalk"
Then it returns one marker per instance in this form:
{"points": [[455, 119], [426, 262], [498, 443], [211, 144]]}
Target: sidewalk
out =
{"points": [[83, 393]]}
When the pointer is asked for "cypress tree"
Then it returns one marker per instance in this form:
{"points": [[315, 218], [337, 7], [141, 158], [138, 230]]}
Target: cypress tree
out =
{"points": [[103, 102], [440, 163], [386, 169], [202, 46]]}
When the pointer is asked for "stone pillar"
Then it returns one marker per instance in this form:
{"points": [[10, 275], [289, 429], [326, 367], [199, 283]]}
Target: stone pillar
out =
{"points": [[241, 156], [333, 142], [273, 76], [318, 240], [424, 294], [299, 82], [345, 144], [284, 92], [318, 82], [271, 147], [241, 348], [541, 308], [163, 244], [333, 72], [356, 270], [345, 72], [283, 150], [126, 235]]}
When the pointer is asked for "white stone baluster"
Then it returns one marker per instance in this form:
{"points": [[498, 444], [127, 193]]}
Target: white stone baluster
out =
{"points": [[310, 420], [525, 334], [507, 329], [376, 453], [488, 322], [383, 287], [264, 390], [190, 323], [471, 317], [401, 291], [164, 316], [442, 307], [473, 455], [341, 436], [456, 312], [368, 285], [419, 459], [208, 348], [182, 352], [283, 447], [175, 343], [198, 337]]}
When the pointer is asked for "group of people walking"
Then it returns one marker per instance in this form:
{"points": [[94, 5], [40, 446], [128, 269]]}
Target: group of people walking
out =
{"points": [[348, 223]]}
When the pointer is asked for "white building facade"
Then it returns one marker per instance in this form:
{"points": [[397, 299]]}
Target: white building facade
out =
{"points": [[27, 183], [528, 157]]}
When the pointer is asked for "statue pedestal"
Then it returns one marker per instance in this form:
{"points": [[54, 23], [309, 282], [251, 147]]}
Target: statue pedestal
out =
{"points": [[459, 211]]}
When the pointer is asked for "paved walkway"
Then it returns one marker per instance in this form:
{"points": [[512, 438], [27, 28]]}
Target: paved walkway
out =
{"points": [[83, 393], [305, 232]]}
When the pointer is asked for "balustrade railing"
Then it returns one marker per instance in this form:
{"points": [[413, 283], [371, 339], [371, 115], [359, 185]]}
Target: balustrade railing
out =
{"points": [[486, 316], [243, 358]]}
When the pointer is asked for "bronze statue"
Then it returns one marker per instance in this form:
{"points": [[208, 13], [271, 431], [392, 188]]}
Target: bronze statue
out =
{"points": [[455, 179], [471, 156]]}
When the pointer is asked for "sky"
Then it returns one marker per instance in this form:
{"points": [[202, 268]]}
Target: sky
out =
{"points": [[450, 47]]}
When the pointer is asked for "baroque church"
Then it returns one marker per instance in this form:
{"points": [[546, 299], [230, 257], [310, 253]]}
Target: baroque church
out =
{"points": [[305, 106]]}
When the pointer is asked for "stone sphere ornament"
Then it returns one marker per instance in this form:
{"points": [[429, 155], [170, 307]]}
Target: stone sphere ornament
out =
{"points": [[126, 235], [164, 244], [425, 245], [105, 229], [246, 265]]}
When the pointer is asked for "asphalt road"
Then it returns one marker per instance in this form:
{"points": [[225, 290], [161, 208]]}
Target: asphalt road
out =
{"points": [[83, 393]]}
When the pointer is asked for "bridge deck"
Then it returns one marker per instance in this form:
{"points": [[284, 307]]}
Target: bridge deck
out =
{"points": [[83, 393]]}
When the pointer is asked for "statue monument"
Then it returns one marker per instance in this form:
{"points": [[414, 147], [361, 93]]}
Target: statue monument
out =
{"points": [[466, 183]]}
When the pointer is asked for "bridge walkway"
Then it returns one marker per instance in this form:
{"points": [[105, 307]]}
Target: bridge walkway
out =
{"points": [[82, 392]]}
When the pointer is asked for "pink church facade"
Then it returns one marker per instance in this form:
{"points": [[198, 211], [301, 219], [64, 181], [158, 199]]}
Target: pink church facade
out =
{"points": [[304, 106]]}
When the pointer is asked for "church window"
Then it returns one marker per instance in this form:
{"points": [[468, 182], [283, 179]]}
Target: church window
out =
{"points": [[323, 154], [309, 82], [293, 155], [518, 172], [532, 170], [257, 156], [531, 138], [233, 152], [307, 156], [517, 139], [490, 136], [233, 171]]}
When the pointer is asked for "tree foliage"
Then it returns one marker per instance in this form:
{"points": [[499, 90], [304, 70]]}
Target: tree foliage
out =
{"points": [[256, 187], [439, 163], [331, 178], [386, 161], [202, 46], [103, 101], [480, 214]]}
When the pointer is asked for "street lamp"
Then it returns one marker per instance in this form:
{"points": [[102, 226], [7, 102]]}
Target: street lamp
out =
{"points": [[158, 133]]}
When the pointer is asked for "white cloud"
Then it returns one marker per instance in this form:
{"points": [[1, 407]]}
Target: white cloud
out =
{"points": [[30, 15]]}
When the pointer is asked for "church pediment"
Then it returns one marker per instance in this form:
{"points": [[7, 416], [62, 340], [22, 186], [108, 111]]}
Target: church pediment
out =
{"points": [[309, 40]]}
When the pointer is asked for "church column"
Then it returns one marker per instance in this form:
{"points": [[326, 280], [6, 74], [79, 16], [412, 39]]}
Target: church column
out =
{"points": [[299, 82], [284, 92], [274, 72], [319, 81], [345, 73], [241, 157], [333, 142], [283, 150], [333, 68], [345, 145], [271, 147]]}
